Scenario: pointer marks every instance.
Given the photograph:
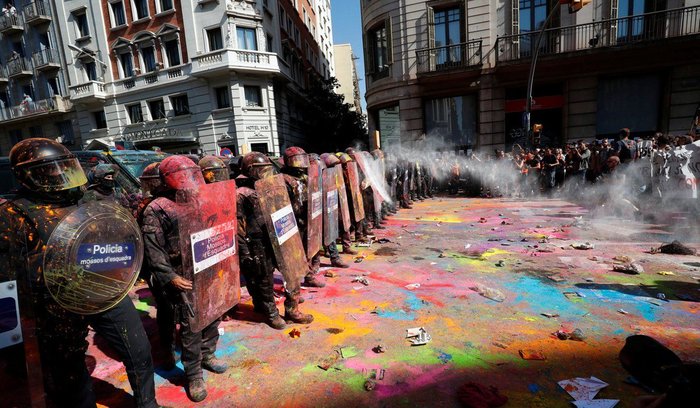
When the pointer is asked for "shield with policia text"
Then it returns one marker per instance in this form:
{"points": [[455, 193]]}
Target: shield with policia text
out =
{"points": [[93, 257], [314, 217], [344, 214], [352, 181], [207, 224], [282, 227], [331, 206]]}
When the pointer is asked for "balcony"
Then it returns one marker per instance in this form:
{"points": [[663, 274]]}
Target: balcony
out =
{"points": [[11, 25], [37, 13], [46, 60], [222, 61], [19, 68], [457, 56], [44, 107], [88, 93], [154, 78], [626, 31]]}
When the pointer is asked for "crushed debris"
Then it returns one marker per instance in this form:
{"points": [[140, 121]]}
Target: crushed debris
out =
{"points": [[674, 248], [489, 293], [631, 269], [583, 246]]}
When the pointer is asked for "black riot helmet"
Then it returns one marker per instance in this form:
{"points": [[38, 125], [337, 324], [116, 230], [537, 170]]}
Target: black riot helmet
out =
{"points": [[257, 166], [46, 167], [213, 169]]}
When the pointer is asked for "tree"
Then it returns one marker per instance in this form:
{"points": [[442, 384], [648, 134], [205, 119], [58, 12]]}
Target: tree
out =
{"points": [[332, 126]]}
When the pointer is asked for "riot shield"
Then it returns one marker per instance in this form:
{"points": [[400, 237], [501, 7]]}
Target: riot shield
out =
{"points": [[314, 219], [406, 185], [207, 226], [282, 227], [93, 257], [370, 168], [353, 184], [330, 206], [344, 214]]}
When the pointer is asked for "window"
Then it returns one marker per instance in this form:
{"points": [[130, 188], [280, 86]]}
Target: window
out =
{"points": [[216, 41], [157, 109], [52, 86], [451, 120], [149, 58], [253, 96], [378, 53], [100, 119], [36, 131], [172, 52], [117, 13], [65, 132], [126, 63], [140, 9], [164, 5], [90, 70], [81, 23], [135, 114], [259, 147], [447, 30], [223, 97], [268, 44], [181, 105], [246, 38]]}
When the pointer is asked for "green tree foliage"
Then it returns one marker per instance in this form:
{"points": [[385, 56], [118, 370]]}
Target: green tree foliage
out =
{"points": [[332, 126]]}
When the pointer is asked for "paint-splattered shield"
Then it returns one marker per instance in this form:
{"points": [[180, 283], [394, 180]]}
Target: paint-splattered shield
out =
{"points": [[352, 180], [314, 216], [344, 214], [331, 206], [282, 227], [207, 225], [93, 257], [371, 170]]}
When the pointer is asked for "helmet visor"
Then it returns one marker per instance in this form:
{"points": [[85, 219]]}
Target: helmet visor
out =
{"points": [[260, 172], [300, 161], [214, 175], [56, 175]]}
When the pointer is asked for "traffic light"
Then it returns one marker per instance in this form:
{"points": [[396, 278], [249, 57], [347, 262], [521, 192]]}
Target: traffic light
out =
{"points": [[537, 128], [575, 5]]}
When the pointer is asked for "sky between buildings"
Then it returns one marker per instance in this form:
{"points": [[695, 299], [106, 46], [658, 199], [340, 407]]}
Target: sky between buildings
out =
{"points": [[347, 28]]}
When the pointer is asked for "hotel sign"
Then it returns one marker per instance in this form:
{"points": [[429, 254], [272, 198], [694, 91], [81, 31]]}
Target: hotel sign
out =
{"points": [[159, 133]]}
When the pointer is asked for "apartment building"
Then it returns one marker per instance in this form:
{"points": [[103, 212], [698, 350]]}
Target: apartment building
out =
{"points": [[183, 76], [34, 98], [453, 74], [346, 73]]}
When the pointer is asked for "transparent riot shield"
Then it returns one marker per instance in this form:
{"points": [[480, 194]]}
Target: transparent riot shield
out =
{"points": [[93, 257], [282, 227], [353, 183], [207, 225], [371, 171], [331, 206], [314, 218], [344, 214]]}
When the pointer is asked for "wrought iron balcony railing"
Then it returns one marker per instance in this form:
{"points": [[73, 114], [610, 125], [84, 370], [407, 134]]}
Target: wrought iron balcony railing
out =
{"points": [[46, 57], [463, 55], [602, 34], [37, 12]]}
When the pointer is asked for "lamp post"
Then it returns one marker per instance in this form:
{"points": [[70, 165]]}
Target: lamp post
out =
{"points": [[574, 6]]}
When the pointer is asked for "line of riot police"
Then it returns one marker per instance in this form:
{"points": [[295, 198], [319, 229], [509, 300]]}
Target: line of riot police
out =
{"points": [[75, 252]]}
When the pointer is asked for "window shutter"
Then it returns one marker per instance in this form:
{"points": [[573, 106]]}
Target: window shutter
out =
{"points": [[369, 54], [464, 27], [389, 42], [431, 27]]}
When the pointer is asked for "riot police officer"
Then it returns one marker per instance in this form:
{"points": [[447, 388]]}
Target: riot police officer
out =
{"points": [[257, 258], [213, 169], [52, 183], [164, 259]]}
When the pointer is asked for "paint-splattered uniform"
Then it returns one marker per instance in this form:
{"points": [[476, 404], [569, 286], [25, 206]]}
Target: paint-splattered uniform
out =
{"points": [[25, 227], [254, 248], [163, 258]]}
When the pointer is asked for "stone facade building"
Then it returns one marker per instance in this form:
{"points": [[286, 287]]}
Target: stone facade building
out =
{"points": [[453, 73]]}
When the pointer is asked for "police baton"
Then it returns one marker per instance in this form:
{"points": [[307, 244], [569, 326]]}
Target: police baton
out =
{"points": [[190, 311]]}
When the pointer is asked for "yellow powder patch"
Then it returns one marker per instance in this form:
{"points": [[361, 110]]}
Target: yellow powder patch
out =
{"points": [[351, 328]]}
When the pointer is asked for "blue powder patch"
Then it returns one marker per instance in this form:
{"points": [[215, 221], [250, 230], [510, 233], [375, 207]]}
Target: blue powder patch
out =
{"points": [[444, 357], [639, 305], [539, 297], [534, 388], [411, 304]]}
